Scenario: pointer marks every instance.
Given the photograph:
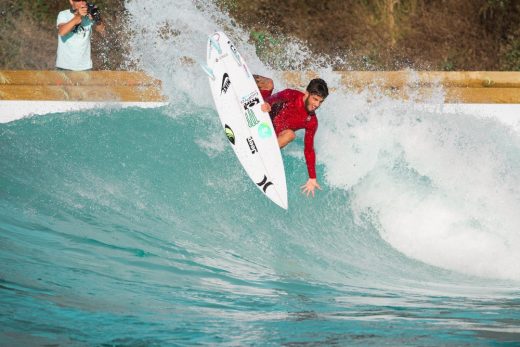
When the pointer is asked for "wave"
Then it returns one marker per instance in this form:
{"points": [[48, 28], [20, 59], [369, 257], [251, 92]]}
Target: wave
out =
{"points": [[395, 189]]}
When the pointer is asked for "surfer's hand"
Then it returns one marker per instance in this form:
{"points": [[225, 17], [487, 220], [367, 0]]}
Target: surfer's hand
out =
{"points": [[310, 186], [266, 107]]}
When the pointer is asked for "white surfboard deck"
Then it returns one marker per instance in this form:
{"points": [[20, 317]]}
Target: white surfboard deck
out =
{"points": [[249, 130]]}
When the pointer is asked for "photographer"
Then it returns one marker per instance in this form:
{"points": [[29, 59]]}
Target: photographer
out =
{"points": [[74, 33]]}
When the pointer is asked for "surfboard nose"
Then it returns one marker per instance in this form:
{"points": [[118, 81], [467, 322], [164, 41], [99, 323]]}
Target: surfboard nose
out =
{"points": [[284, 204]]}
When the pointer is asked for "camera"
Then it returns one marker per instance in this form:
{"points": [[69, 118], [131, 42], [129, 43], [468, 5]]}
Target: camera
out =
{"points": [[94, 12]]}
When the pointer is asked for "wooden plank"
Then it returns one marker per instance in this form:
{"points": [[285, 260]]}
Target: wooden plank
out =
{"points": [[454, 95], [483, 95], [81, 93], [396, 79], [84, 78]]}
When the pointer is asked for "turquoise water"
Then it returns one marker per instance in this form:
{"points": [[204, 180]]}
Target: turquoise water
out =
{"points": [[132, 227]]}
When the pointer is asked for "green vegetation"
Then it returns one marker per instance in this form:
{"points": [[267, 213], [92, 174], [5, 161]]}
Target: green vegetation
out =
{"points": [[392, 34], [349, 34], [512, 56]]}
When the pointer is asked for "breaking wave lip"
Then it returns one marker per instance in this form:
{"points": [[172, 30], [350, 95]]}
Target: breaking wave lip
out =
{"points": [[439, 188]]}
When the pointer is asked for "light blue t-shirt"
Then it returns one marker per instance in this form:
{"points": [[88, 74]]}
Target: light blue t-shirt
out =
{"points": [[74, 48]]}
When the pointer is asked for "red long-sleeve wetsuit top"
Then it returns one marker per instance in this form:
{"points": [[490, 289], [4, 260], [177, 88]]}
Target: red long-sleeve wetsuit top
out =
{"points": [[288, 112]]}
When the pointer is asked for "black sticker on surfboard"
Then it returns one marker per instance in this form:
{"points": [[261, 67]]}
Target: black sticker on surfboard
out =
{"points": [[264, 184], [230, 134], [250, 100], [252, 145], [226, 82]]}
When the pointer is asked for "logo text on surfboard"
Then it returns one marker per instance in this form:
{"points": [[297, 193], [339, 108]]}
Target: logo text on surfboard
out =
{"points": [[252, 145], [250, 100]]}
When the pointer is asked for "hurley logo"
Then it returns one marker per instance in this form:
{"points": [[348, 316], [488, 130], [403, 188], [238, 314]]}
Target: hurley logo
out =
{"points": [[264, 184], [225, 83]]}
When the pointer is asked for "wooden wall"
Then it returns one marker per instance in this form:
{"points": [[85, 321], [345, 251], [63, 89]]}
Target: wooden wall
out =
{"points": [[79, 86]]}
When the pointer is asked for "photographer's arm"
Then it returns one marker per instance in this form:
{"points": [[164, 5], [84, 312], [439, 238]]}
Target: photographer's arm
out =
{"points": [[65, 28]]}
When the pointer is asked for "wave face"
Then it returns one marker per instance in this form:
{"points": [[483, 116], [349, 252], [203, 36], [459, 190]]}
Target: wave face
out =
{"points": [[139, 227]]}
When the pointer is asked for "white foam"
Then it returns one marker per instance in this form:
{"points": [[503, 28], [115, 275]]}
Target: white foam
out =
{"points": [[441, 187], [170, 43]]}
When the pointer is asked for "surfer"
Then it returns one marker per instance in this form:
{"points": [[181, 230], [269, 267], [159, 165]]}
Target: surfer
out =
{"points": [[291, 110]]}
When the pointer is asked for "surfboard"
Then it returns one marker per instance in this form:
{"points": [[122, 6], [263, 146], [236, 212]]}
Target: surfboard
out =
{"points": [[248, 129]]}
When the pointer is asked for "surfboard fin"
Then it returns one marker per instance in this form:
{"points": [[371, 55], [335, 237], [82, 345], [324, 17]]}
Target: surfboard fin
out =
{"points": [[215, 45], [208, 71]]}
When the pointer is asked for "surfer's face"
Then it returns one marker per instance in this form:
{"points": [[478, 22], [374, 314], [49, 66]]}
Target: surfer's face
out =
{"points": [[312, 102]]}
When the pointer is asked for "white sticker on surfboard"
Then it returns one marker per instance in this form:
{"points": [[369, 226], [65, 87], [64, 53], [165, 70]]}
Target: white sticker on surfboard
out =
{"points": [[249, 130]]}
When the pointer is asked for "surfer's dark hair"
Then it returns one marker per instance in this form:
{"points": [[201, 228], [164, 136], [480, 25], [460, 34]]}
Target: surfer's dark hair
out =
{"points": [[318, 87]]}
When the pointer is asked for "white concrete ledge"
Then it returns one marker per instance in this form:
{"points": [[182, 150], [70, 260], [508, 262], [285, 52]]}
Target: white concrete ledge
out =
{"points": [[11, 110]]}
